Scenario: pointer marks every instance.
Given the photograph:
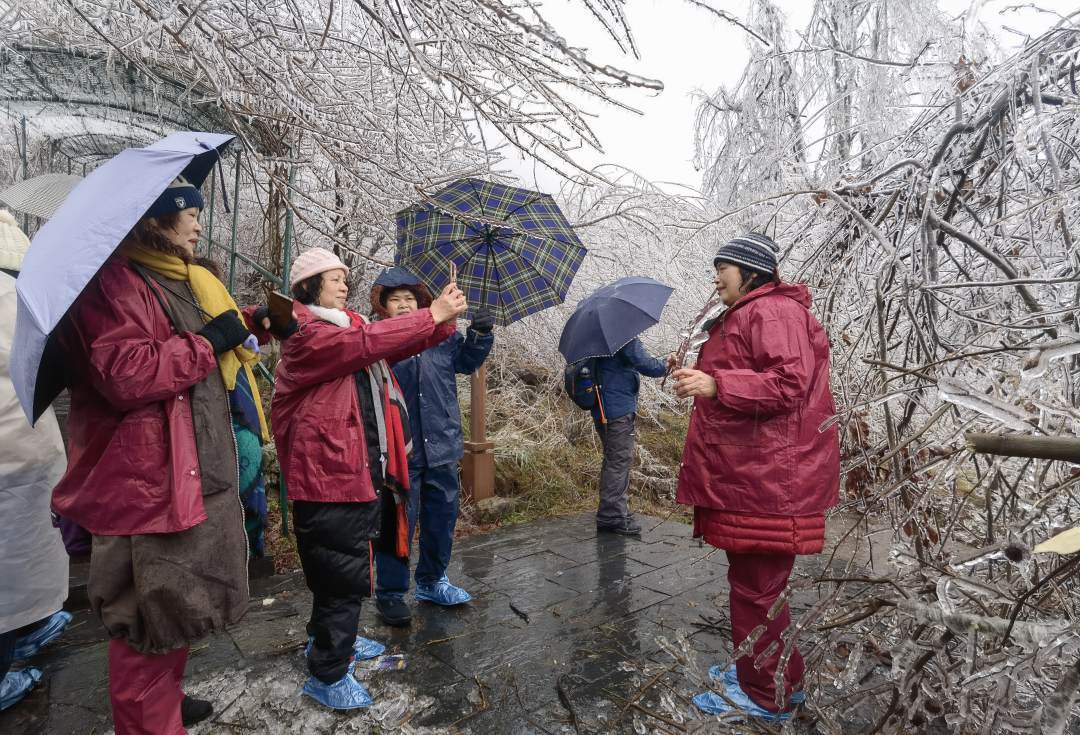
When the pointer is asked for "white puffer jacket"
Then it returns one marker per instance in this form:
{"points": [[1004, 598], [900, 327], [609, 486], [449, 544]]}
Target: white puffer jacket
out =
{"points": [[33, 562]]}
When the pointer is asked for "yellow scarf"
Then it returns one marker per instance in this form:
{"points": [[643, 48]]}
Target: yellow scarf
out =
{"points": [[213, 298]]}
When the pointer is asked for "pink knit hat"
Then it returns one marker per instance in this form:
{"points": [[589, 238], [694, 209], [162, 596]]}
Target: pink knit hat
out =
{"points": [[313, 262]]}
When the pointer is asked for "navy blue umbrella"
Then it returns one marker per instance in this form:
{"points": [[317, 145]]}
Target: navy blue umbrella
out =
{"points": [[606, 320]]}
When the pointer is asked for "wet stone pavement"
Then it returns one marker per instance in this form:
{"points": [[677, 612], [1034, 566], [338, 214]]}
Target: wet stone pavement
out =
{"points": [[569, 632]]}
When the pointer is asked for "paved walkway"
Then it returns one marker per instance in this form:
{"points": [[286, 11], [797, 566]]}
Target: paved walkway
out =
{"points": [[569, 632]]}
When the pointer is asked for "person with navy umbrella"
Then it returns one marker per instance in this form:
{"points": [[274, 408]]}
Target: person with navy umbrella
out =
{"points": [[602, 334], [619, 385]]}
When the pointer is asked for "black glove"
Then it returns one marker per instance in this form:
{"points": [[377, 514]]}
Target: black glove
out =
{"points": [[224, 332], [280, 333], [483, 322]]}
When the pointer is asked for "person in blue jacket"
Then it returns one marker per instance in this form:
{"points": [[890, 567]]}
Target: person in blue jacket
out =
{"points": [[619, 384], [428, 382]]}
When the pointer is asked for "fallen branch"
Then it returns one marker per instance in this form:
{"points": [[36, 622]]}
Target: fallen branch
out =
{"points": [[641, 693], [1025, 633], [1057, 711], [1063, 448], [519, 612]]}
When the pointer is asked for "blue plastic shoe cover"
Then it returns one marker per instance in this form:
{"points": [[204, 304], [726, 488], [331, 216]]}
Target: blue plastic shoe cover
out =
{"points": [[31, 645], [443, 593], [730, 677], [17, 684], [726, 675], [363, 648], [712, 703], [346, 693]]}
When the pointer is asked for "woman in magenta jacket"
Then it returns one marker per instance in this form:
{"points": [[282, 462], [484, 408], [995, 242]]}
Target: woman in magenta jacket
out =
{"points": [[759, 467]]}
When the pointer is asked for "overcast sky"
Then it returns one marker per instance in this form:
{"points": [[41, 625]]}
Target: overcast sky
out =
{"points": [[691, 51]]}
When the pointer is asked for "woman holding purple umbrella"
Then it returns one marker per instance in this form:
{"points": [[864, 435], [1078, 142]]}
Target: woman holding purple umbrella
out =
{"points": [[153, 349]]}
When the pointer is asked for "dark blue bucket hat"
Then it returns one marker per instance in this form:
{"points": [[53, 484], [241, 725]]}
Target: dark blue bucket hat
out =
{"points": [[396, 276]]}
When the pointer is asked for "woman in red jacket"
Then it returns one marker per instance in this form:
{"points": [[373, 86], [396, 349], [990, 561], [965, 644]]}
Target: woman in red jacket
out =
{"points": [[758, 466], [341, 432], [152, 461]]}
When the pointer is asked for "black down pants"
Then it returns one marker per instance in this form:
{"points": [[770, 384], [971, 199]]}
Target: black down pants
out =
{"points": [[334, 541]]}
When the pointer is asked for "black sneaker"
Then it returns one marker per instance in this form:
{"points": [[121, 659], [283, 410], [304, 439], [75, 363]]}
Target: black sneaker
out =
{"points": [[393, 612], [193, 710], [628, 527]]}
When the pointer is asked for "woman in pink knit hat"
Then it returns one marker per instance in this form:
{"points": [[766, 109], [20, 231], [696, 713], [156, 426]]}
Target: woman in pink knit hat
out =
{"points": [[342, 437]]}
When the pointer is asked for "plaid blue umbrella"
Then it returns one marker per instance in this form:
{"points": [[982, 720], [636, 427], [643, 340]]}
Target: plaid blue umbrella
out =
{"points": [[514, 249]]}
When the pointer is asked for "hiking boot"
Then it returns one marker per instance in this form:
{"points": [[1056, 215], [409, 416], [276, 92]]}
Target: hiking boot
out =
{"points": [[442, 593], [344, 694], [627, 527], [17, 684], [30, 645], [193, 711], [393, 611]]}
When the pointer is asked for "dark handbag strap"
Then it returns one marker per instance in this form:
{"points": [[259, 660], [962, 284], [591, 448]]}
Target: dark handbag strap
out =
{"points": [[155, 287]]}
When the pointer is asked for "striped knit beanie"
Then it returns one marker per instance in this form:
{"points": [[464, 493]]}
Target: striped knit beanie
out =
{"points": [[753, 250]]}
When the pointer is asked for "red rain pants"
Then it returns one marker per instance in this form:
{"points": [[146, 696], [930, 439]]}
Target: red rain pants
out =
{"points": [[756, 580], [145, 690]]}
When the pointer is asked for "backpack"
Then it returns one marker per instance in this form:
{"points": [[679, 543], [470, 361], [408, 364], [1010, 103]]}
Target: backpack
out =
{"points": [[581, 380]]}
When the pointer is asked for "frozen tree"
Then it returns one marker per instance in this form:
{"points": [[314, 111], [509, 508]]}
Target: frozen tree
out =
{"points": [[747, 135], [828, 103], [633, 228], [347, 110], [940, 244]]}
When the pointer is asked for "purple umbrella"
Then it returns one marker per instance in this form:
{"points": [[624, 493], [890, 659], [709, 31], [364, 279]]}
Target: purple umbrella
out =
{"points": [[73, 245]]}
